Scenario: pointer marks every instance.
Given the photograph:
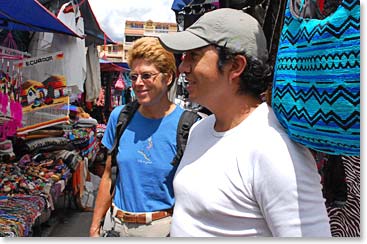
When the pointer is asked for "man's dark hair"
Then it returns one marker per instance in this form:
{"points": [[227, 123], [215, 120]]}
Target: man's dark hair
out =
{"points": [[254, 77]]}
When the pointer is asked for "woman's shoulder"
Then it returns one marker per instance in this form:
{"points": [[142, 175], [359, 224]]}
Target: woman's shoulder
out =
{"points": [[115, 113], [116, 110], [177, 112]]}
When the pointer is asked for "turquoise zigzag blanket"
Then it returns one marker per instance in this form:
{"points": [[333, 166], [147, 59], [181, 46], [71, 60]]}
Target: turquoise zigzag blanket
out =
{"points": [[316, 86]]}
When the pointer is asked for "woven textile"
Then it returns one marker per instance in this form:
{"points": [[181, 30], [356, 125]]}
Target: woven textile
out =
{"points": [[316, 86], [346, 221]]}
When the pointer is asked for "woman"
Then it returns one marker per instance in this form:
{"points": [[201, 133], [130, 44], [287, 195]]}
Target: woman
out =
{"points": [[143, 199]]}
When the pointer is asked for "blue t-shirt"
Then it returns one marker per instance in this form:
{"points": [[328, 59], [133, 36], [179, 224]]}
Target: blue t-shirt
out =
{"points": [[146, 150]]}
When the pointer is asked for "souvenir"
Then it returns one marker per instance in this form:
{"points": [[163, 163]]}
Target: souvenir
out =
{"points": [[316, 86]]}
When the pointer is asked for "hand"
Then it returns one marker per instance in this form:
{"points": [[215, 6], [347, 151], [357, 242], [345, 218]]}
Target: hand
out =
{"points": [[94, 231]]}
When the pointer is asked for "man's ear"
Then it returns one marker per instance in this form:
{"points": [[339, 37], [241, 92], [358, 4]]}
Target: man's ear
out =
{"points": [[238, 66]]}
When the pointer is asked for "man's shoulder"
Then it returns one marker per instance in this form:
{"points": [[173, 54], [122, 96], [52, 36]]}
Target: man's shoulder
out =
{"points": [[205, 121]]}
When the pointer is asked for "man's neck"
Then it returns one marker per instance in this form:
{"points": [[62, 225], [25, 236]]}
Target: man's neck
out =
{"points": [[232, 113]]}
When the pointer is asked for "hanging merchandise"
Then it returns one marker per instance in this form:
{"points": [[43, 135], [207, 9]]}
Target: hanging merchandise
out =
{"points": [[316, 86], [101, 98], [10, 108], [12, 54], [268, 13], [43, 43], [345, 221], [127, 79], [188, 13], [44, 92], [120, 83], [9, 41]]}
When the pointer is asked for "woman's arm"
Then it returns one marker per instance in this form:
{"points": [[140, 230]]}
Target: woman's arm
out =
{"points": [[103, 200]]}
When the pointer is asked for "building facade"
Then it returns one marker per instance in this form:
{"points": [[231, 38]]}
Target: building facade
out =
{"points": [[133, 31]]}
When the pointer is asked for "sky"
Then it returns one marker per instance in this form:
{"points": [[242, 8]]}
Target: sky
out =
{"points": [[111, 14]]}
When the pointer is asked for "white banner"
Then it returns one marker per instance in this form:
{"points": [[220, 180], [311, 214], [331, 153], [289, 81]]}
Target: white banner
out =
{"points": [[40, 60]]}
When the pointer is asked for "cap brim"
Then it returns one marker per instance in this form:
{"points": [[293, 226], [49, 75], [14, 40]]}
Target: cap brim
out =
{"points": [[179, 42]]}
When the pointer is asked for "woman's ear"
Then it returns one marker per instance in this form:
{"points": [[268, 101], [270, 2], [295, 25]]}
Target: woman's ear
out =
{"points": [[169, 80], [238, 66]]}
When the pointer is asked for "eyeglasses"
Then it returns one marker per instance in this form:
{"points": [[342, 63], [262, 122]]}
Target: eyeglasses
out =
{"points": [[145, 77]]}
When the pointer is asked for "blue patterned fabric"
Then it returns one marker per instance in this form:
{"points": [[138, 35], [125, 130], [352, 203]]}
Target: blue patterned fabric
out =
{"points": [[316, 86]]}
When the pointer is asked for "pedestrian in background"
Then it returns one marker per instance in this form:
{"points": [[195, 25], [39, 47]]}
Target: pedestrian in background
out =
{"points": [[143, 199], [240, 175]]}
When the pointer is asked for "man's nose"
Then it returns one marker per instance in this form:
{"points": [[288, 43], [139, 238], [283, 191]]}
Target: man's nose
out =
{"points": [[184, 67]]}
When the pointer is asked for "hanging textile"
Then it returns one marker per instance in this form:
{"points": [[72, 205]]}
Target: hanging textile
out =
{"points": [[340, 179], [93, 78], [10, 79], [345, 221], [44, 92], [73, 48], [316, 87]]}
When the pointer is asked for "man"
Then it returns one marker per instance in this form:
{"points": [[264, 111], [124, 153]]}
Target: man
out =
{"points": [[240, 175]]}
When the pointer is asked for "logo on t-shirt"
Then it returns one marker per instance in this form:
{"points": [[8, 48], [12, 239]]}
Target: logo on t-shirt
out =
{"points": [[145, 152]]}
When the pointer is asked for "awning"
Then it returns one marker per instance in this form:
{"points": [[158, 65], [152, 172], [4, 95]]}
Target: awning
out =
{"points": [[30, 15], [92, 27], [110, 67], [123, 65], [107, 66], [178, 5]]}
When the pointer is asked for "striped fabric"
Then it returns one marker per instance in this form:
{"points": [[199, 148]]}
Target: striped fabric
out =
{"points": [[345, 221], [316, 86]]}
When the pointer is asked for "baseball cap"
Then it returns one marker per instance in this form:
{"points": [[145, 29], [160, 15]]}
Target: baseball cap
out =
{"points": [[225, 27]]}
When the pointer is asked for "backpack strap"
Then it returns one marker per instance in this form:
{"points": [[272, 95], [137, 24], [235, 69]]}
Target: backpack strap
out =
{"points": [[187, 119], [124, 118]]}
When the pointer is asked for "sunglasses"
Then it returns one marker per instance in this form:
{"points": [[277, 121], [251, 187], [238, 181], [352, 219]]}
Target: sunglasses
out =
{"points": [[145, 77]]}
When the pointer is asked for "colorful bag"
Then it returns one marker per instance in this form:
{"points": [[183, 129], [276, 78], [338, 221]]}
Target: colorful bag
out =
{"points": [[316, 86], [120, 83]]}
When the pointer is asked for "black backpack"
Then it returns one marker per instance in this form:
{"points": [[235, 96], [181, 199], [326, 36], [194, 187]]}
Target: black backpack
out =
{"points": [[187, 119]]}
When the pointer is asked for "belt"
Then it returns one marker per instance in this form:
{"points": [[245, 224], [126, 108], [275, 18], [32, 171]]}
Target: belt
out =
{"points": [[141, 218]]}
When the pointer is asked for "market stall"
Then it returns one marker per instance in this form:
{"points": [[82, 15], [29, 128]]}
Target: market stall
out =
{"points": [[47, 145]]}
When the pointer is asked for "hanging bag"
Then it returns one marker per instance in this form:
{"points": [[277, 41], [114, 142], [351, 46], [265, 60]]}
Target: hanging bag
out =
{"points": [[120, 83], [316, 86]]}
